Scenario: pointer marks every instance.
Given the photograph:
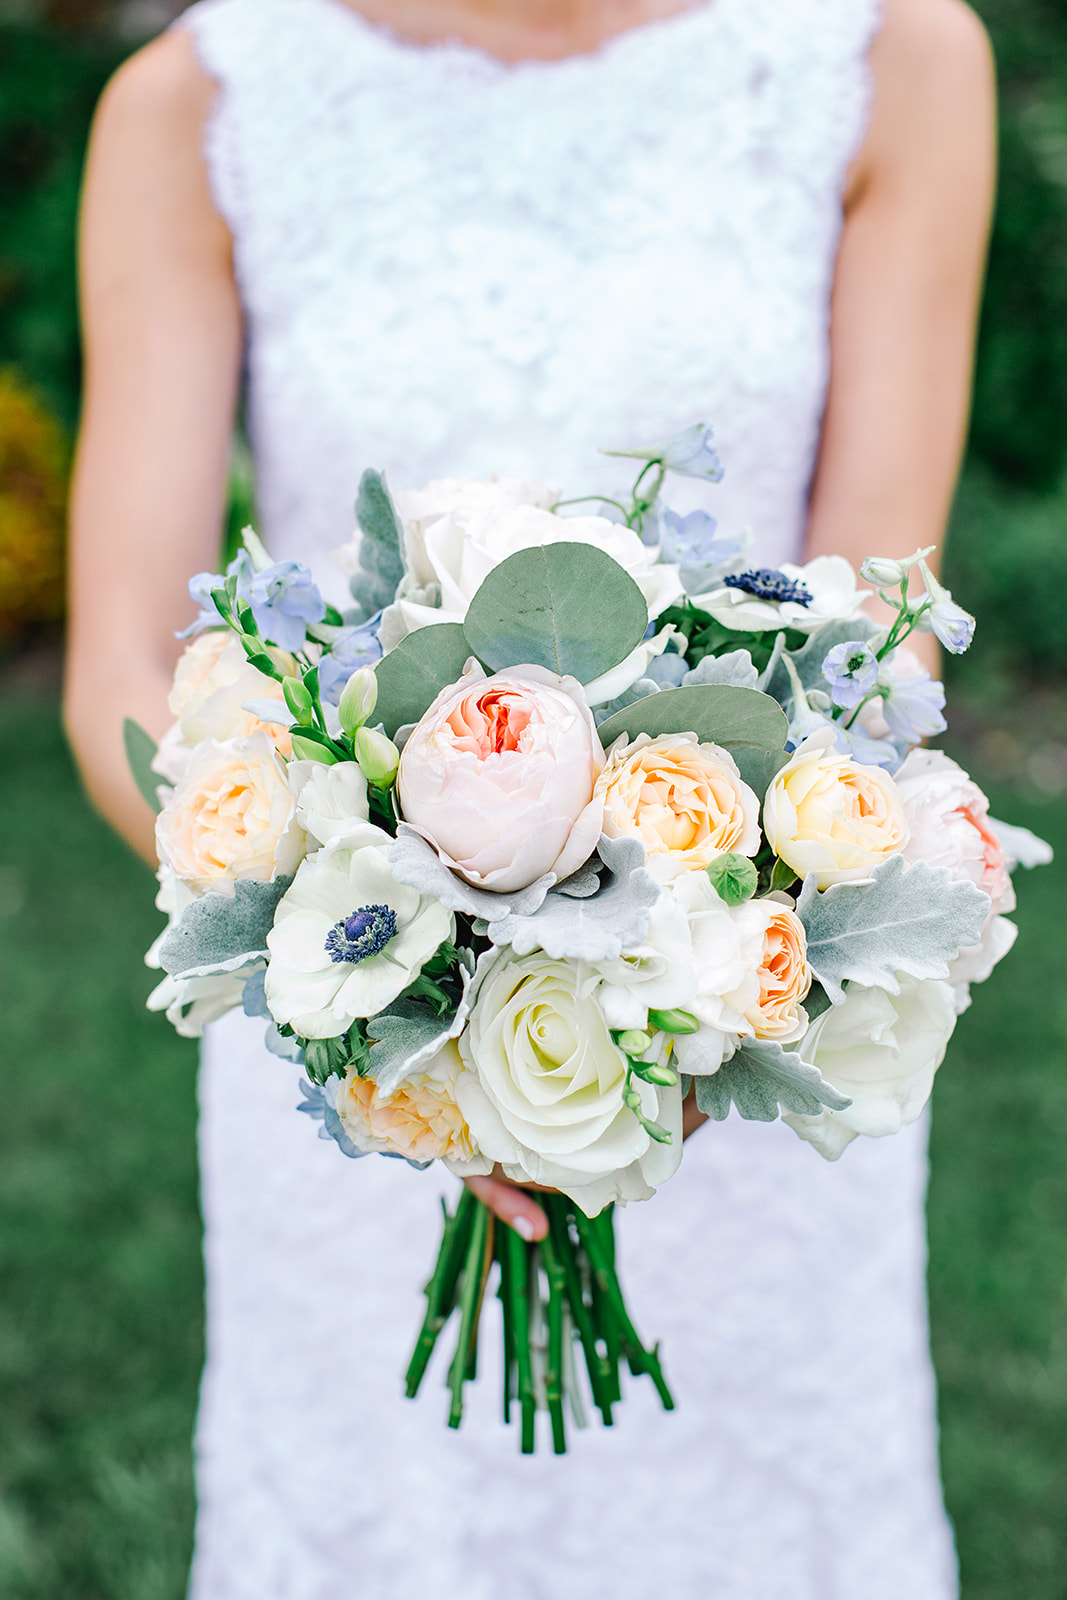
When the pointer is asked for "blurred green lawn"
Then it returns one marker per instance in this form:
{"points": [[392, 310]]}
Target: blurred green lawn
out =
{"points": [[100, 1281]]}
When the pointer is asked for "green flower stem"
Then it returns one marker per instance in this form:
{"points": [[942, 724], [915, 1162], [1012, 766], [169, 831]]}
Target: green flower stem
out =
{"points": [[554, 1376], [600, 1375], [520, 1312], [640, 1359], [487, 1262], [470, 1301], [441, 1289], [504, 1295]]}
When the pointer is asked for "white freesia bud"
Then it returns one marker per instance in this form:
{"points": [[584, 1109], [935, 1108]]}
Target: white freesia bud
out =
{"points": [[358, 699], [378, 757]]}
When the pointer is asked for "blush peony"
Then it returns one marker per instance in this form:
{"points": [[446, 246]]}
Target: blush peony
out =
{"points": [[499, 774]]}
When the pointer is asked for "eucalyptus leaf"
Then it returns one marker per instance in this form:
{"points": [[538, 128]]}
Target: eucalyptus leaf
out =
{"points": [[760, 1079], [567, 607], [412, 676], [905, 918], [220, 932], [750, 725], [140, 753]]}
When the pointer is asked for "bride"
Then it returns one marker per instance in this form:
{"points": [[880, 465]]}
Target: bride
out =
{"points": [[468, 237]]}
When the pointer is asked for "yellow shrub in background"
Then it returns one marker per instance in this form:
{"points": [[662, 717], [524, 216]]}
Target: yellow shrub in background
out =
{"points": [[33, 503]]}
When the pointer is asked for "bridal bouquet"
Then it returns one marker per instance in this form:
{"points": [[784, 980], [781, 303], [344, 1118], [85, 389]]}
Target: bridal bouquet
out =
{"points": [[571, 817]]}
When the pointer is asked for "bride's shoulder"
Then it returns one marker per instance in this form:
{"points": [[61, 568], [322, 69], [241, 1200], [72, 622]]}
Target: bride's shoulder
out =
{"points": [[931, 47], [161, 89]]}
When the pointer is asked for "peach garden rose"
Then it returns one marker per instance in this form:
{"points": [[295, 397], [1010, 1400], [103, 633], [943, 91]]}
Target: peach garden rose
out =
{"points": [[420, 1120], [685, 801]]}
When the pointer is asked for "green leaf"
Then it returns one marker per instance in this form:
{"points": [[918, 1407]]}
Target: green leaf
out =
{"points": [[761, 1077], [140, 753], [750, 725], [567, 607], [381, 547], [412, 676]]}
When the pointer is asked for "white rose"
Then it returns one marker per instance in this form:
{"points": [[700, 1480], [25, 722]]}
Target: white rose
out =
{"points": [[330, 801], [829, 580], [661, 972], [544, 1093], [718, 945], [461, 548], [347, 937], [881, 1050]]}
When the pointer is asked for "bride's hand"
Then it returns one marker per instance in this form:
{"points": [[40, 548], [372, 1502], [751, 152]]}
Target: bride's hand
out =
{"points": [[516, 1206]]}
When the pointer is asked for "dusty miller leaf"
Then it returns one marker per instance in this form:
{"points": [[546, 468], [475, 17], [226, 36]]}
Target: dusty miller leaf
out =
{"points": [[596, 927], [414, 861], [736, 667], [760, 1079], [219, 932], [380, 547], [904, 918]]}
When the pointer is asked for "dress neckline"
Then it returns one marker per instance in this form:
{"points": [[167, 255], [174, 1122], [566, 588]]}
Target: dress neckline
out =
{"points": [[613, 42]]}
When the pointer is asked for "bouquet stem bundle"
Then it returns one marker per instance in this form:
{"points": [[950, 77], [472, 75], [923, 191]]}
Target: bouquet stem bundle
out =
{"points": [[554, 1293]]}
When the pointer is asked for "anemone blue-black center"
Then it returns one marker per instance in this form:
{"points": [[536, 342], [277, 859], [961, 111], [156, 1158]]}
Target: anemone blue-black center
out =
{"points": [[767, 583], [362, 933]]}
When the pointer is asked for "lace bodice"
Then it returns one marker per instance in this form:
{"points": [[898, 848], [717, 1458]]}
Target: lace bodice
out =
{"points": [[455, 266], [452, 266]]}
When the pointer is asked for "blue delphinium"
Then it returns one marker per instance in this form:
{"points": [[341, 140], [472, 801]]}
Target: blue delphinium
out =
{"points": [[284, 599], [690, 454], [953, 626], [357, 647], [851, 670], [913, 708], [689, 543]]}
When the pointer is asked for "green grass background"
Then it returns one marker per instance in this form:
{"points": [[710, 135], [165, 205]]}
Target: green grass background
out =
{"points": [[100, 1280]]}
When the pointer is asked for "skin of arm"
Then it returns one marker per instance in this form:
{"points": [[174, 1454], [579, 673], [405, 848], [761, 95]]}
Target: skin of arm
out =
{"points": [[162, 335], [163, 341]]}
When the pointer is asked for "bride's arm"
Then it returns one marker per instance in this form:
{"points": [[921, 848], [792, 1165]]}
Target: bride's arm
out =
{"points": [[162, 331], [907, 287]]}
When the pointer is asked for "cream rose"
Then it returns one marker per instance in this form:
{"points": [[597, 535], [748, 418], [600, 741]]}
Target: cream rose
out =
{"points": [[544, 1093], [212, 681], [881, 1050], [777, 976], [420, 1120], [685, 801], [457, 551], [231, 816], [827, 814], [498, 776]]}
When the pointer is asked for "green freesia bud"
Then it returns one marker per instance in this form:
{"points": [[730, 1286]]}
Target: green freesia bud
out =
{"points": [[310, 750], [673, 1021], [378, 757], [733, 877], [634, 1041], [653, 1073], [298, 699], [358, 699]]}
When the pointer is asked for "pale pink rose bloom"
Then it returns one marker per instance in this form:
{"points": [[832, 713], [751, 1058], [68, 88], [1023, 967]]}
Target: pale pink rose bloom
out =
{"points": [[949, 820], [498, 775], [685, 801], [230, 816]]}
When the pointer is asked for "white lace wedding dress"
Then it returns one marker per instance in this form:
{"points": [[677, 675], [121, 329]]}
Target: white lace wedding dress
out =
{"points": [[454, 266]]}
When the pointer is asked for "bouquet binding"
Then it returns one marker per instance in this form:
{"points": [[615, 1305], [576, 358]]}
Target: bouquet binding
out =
{"points": [[682, 839]]}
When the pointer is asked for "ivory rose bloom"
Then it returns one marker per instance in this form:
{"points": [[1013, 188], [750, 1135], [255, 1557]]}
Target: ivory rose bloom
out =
{"points": [[544, 1095], [686, 802], [420, 1120], [777, 976], [881, 1050], [498, 775], [211, 683], [449, 559], [231, 816], [827, 814]]}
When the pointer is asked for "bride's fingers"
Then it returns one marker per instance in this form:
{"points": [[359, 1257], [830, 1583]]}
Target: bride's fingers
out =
{"points": [[511, 1205]]}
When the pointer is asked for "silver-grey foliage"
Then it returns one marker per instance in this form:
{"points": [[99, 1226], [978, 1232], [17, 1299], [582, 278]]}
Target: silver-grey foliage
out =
{"points": [[596, 927], [219, 932], [760, 1079]]}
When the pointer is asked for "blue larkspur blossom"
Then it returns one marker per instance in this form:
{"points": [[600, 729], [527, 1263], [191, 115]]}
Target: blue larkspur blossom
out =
{"points": [[852, 741], [690, 454], [358, 647], [914, 708], [952, 626], [283, 598], [851, 670], [689, 543]]}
